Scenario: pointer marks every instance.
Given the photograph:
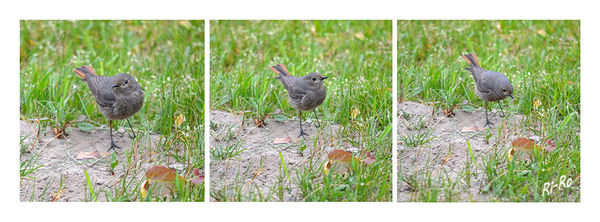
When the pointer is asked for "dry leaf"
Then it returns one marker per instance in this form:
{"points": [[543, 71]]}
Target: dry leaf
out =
{"points": [[282, 140], [185, 23], [360, 35], [536, 104], [199, 177], [449, 112], [522, 149], [340, 161], [179, 120], [354, 113], [523, 143], [368, 158], [542, 32], [144, 188], [163, 174], [56, 196], [88, 155], [469, 129], [549, 146], [257, 173], [340, 155], [162, 178]]}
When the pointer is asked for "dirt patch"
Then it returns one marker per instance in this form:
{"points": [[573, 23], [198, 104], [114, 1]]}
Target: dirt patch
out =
{"points": [[446, 154], [57, 158], [257, 169]]}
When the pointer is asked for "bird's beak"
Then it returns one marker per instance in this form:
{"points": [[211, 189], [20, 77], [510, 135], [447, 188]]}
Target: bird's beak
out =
{"points": [[324, 77], [115, 85], [511, 96]]}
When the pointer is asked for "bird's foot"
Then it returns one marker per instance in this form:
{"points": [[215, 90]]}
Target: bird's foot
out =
{"points": [[302, 134], [488, 123], [113, 146]]}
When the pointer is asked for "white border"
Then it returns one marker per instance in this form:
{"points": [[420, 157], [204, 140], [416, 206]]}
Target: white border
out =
{"points": [[206, 110], [395, 110], [12, 12]]}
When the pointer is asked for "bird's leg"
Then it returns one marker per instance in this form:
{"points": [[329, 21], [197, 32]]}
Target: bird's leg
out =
{"points": [[112, 142], [301, 131], [317, 124], [499, 104], [487, 120], [132, 138]]}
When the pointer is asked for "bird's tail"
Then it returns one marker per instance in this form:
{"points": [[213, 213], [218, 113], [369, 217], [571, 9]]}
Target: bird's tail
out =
{"points": [[281, 70], [472, 60], [85, 71]]}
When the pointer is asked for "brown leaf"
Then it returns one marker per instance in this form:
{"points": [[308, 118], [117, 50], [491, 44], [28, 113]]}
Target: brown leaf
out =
{"points": [[257, 173], [522, 149], [61, 132], [259, 122], [178, 120], [56, 196], [549, 146], [523, 143], [449, 112], [199, 177], [469, 129], [144, 188], [282, 140], [368, 158], [340, 155], [88, 155], [340, 161], [163, 174]]}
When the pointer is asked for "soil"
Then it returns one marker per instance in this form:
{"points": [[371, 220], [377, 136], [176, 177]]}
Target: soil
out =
{"points": [[447, 153], [57, 158], [259, 165]]}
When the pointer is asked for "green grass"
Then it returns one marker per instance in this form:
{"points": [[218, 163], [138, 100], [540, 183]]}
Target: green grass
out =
{"points": [[355, 55], [167, 59], [540, 58]]}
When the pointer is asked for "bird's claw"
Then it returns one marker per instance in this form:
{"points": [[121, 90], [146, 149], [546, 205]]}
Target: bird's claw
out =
{"points": [[302, 134], [113, 146], [488, 123]]}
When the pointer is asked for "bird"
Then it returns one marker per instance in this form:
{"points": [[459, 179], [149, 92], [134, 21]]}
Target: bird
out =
{"points": [[118, 97], [490, 86], [305, 93]]}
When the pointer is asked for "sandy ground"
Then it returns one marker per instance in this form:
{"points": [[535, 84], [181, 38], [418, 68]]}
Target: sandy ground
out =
{"points": [[447, 153], [259, 165], [58, 160]]}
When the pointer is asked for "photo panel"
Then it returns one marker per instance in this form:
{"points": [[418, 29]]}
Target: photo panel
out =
{"points": [[301, 111], [489, 111], [111, 110]]}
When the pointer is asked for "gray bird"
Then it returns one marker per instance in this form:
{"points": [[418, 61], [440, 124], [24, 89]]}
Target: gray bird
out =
{"points": [[118, 97], [490, 86], [305, 93]]}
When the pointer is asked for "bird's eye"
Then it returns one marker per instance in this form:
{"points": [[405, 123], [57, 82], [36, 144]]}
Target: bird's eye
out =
{"points": [[503, 90], [126, 81], [314, 79]]}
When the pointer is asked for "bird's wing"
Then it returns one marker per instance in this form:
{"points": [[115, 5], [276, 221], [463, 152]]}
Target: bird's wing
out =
{"points": [[296, 92], [101, 86], [486, 82]]}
